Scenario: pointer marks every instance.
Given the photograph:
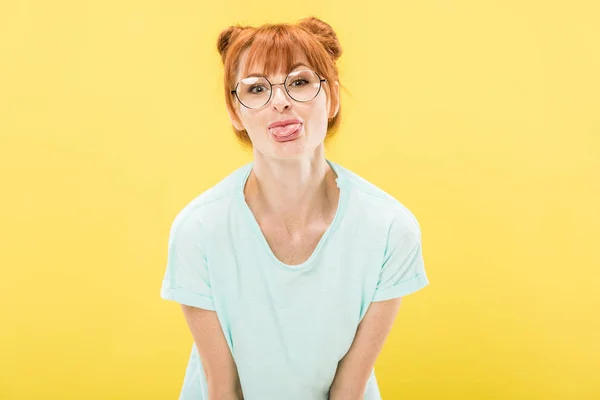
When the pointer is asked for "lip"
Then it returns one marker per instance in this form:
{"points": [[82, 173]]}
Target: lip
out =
{"points": [[284, 122]]}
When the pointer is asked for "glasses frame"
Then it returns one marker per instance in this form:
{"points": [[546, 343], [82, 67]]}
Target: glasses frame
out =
{"points": [[271, 85]]}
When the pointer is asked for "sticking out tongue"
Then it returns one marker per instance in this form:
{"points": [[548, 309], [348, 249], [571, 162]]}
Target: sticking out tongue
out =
{"points": [[284, 130]]}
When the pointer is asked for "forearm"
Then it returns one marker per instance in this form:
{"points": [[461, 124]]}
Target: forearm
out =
{"points": [[214, 393], [224, 386], [350, 379], [345, 393]]}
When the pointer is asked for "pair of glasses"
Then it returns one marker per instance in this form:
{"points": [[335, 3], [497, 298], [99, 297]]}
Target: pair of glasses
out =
{"points": [[256, 91]]}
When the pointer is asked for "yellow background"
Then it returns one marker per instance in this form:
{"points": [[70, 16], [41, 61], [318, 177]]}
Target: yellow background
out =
{"points": [[482, 117]]}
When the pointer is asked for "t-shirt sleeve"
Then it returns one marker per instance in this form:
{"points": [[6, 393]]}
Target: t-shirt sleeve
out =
{"points": [[186, 278], [403, 270]]}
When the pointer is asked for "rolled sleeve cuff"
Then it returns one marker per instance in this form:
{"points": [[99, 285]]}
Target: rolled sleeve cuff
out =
{"points": [[402, 288], [184, 296]]}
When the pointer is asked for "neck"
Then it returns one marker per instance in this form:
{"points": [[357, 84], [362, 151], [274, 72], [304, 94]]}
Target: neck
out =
{"points": [[293, 191]]}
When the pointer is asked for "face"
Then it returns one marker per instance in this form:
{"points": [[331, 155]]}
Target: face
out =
{"points": [[312, 115]]}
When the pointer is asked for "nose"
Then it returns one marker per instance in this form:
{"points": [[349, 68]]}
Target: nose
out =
{"points": [[280, 99]]}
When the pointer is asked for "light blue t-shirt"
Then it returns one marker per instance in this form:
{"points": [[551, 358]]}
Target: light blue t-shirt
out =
{"points": [[288, 326]]}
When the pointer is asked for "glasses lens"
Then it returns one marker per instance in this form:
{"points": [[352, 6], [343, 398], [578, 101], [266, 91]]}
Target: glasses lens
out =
{"points": [[303, 85], [254, 92]]}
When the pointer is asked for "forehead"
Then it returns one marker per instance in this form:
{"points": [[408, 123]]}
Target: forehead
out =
{"points": [[269, 66]]}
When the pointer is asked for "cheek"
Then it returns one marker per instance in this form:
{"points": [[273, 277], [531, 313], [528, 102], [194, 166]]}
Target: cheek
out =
{"points": [[317, 126], [320, 113], [324, 104], [249, 119]]}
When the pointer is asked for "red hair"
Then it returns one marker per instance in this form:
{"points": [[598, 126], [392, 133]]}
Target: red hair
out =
{"points": [[274, 47]]}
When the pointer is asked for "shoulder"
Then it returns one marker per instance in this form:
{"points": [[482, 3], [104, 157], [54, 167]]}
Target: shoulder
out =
{"points": [[211, 205], [374, 204]]}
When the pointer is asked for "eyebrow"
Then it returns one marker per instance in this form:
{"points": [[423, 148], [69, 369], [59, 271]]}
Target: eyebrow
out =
{"points": [[296, 65]]}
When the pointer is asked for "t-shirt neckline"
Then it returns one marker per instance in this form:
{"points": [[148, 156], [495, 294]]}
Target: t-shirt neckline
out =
{"points": [[258, 234]]}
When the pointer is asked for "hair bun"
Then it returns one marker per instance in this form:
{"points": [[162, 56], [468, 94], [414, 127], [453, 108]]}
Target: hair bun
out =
{"points": [[324, 33], [227, 37]]}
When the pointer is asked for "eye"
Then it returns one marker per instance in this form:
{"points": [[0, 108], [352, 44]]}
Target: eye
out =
{"points": [[300, 81], [257, 89]]}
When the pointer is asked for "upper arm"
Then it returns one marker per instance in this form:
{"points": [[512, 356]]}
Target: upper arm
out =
{"points": [[187, 282], [187, 277], [355, 368], [372, 333], [219, 366], [402, 270]]}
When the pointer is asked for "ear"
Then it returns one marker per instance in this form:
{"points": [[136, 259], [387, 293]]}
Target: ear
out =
{"points": [[335, 97]]}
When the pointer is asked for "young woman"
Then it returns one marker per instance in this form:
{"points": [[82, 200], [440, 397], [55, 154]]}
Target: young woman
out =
{"points": [[291, 269]]}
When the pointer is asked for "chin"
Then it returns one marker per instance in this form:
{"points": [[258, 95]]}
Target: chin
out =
{"points": [[289, 154], [297, 151]]}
